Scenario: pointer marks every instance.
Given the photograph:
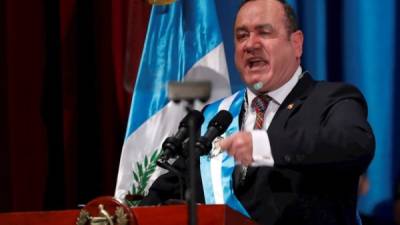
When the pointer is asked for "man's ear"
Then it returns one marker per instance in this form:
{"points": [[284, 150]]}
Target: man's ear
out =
{"points": [[297, 39]]}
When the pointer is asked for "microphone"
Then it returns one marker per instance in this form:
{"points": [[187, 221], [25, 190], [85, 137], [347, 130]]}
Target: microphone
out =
{"points": [[257, 86], [172, 146], [216, 127]]}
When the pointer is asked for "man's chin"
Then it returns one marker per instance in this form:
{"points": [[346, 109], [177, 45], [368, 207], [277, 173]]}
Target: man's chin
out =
{"points": [[263, 90]]}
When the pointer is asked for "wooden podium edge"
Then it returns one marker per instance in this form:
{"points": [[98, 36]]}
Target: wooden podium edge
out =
{"points": [[232, 216], [169, 215]]}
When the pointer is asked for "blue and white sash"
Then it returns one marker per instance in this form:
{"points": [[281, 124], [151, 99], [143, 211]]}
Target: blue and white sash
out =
{"points": [[216, 172]]}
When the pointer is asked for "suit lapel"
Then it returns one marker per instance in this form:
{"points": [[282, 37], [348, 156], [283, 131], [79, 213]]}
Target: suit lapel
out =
{"points": [[289, 106], [293, 101]]}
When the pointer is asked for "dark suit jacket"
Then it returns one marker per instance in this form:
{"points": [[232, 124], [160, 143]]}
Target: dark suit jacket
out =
{"points": [[321, 144]]}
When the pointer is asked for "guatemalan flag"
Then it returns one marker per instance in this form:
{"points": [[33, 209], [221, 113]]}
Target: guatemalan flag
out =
{"points": [[183, 42]]}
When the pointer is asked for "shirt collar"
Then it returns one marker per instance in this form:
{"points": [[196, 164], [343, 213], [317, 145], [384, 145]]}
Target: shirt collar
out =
{"points": [[282, 92]]}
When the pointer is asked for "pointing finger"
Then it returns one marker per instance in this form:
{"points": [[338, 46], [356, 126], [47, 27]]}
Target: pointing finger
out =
{"points": [[226, 143]]}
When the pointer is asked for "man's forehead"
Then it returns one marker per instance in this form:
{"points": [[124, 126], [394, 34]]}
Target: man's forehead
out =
{"points": [[265, 4], [259, 9]]}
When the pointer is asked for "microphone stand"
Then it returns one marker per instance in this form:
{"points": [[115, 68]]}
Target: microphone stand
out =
{"points": [[191, 190], [189, 92]]}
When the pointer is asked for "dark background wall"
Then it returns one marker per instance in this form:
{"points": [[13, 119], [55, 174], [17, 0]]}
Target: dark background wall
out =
{"points": [[67, 70], [65, 95]]}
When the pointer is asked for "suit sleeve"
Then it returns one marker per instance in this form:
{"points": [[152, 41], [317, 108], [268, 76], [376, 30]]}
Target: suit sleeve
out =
{"points": [[338, 137]]}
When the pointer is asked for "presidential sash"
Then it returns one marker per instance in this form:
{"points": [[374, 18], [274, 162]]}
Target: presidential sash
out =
{"points": [[216, 169]]}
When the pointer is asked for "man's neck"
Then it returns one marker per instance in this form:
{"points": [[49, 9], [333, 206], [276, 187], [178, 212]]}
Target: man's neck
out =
{"points": [[279, 94]]}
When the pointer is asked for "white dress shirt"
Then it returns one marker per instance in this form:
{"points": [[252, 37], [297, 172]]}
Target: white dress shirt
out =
{"points": [[262, 155]]}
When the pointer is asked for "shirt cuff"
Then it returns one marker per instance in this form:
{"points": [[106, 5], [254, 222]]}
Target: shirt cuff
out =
{"points": [[262, 155]]}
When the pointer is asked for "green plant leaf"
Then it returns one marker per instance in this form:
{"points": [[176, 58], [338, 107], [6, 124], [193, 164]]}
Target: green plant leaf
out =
{"points": [[140, 169], [135, 176], [146, 161], [134, 189], [151, 170], [133, 203], [154, 156], [143, 173]]}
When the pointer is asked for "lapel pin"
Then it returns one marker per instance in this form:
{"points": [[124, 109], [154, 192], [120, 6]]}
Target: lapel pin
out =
{"points": [[290, 106]]}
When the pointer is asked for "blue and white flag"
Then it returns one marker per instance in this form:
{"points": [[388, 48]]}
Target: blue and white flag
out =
{"points": [[183, 42]]}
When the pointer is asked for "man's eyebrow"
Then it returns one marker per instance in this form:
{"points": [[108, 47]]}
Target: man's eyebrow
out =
{"points": [[266, 26], [241, 28]]}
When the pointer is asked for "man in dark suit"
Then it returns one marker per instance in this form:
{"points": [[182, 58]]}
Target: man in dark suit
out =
{"points": [[300, 145]]}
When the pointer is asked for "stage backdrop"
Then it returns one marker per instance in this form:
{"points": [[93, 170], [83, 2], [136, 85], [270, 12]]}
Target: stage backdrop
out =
{"points": [[67, 69]]}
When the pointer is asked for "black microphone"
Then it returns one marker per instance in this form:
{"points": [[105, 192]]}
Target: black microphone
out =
{"points": [[216, 127], [172, 146]]}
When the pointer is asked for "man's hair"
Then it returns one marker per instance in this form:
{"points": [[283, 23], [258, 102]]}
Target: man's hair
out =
{"points": [[291, 18]]}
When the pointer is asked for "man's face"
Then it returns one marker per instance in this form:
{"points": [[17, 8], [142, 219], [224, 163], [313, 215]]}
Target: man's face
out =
{"points": [[264, 51]]}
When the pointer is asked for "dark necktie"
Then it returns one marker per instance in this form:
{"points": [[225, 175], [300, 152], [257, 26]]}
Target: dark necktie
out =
{"points": [[259, 104]]}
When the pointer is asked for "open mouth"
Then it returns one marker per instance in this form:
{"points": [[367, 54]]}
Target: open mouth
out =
{"points": [[256, 63]]}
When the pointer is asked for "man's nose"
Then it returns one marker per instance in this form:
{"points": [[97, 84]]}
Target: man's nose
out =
{"points": [[252, 43]]}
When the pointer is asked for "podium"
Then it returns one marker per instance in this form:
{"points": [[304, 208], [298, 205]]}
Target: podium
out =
{"points": [[151, 215]]}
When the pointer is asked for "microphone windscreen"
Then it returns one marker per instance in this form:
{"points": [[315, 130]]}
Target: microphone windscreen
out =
{"points": [[221, 121], [197, 116]]}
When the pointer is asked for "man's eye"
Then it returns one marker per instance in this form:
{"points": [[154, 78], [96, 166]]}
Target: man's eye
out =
{"points": [[265, 33], [241, 36]]}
